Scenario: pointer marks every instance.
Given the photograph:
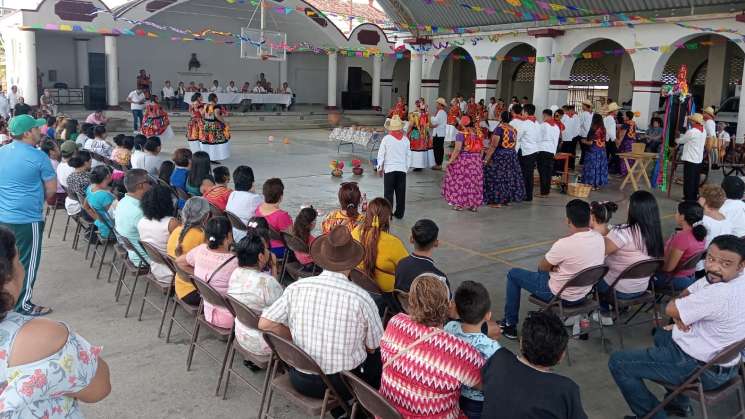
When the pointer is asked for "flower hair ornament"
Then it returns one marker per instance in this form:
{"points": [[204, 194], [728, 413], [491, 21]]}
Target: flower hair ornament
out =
{"points": [[376, 222], [212, 239], [253, 224]]}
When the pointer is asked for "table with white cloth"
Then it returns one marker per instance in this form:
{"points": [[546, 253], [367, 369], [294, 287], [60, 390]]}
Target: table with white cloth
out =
{"points": [[254, 98]]}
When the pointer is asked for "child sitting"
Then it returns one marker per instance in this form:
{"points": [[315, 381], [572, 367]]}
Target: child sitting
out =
{"points": [[600, 215], [473, 306], [218, 193], [151, 160], [278, 219], [182, 160], [305, 222], [138, 154], [122, 153]]}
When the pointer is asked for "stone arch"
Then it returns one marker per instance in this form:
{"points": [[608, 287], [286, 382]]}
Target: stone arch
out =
{"points": [[663, 57], [457, 76], [506, 68]]}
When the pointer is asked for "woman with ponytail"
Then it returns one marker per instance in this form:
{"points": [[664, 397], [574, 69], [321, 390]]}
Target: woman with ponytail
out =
{"points": [[305, 222], [348, 214], [383, 250], [682, 245], [185, 237]]}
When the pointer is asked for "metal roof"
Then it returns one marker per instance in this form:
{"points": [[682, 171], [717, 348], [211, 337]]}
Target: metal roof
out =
{"points": [[500, 14]]}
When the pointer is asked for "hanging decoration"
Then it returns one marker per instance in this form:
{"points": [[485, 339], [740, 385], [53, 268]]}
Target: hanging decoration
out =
{"points": [[283, 10]]}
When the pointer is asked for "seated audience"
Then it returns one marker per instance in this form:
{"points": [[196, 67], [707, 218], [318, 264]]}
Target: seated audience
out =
{"points": [[152, 159], [200, 174], [156, 225], [137, 160], [348, 214], [246, 88], [243, 201], [218, 193], [600, 215], [303, 227], [511, 382], [165, 171], [122, 153], [327, 335], [712, 197], [67, 150], [182, 161], [50, 127], [100, 199], [97, 118], [654, 136], [254, 288], [733, 208], [425, 367], [473, 306], [637, 240], [383, 250], [77, 182], [259, 226], [129, 211], [98, 143], [184, 238], [582, 249], [708, 317], [50, 148], [681, 246], [47, 367], [424, 238], [278, 219], [213, 262], [70, 132]]}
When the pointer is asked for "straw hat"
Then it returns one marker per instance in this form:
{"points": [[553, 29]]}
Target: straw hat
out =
{"points": [[441, 101], [394, 124], [697, 118], [337, 251], [613, 107], [709, 110], [586, 102]]}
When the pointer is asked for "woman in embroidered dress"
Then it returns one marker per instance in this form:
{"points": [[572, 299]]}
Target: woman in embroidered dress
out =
{"points": [[503, 182], [216, 131], [53, 368], [195, 126], [453, 116], [595, 168], [155, 121], [421, 143], [627, 136], [398, 109], [463, 186]]}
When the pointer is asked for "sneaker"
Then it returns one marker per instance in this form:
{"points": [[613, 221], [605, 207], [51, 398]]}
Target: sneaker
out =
{"points": [[508, 331], [600, 318]]}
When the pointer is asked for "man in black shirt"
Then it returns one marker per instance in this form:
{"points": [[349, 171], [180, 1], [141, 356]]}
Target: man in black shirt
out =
{"points": [[21, 107], [523, 386]]}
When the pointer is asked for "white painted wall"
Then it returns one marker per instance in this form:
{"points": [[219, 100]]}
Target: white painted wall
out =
{"points": [[56, 53]]}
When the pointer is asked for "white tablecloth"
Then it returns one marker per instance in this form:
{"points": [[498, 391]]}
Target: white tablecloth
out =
{"points": [[255, 98]]}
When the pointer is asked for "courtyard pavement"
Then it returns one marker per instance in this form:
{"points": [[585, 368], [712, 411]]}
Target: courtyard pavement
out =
{"points": [[149, 377]]}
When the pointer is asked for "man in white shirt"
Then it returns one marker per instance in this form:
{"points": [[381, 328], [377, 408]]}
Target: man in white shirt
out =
{"points": [[4, 106], [723, 140], [693, 142], [709, 316], [611, 146], [394, 158], [13, 98], [569, 136], [439, 126], [258, 89], [216, 88], [231, 87], [168, 93], [516, 121], [585, 122], [734, 208], [136, 99], [491, 111], [529, 138], [288, 91], [549, 142]]}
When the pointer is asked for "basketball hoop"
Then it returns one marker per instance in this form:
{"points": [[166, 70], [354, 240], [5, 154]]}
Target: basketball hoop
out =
{"points": [[262, 44]]}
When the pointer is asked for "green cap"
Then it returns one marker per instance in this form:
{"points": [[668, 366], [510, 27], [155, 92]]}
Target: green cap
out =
{"points": [[22, 124], [68, 148]]}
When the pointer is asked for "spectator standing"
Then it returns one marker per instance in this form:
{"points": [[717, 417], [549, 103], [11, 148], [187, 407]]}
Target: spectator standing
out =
{"points": [[4, 106], [136, 99], [27, 179], [13, 98], [168, 93], [143, 83], [394, 157], [693, 142]]}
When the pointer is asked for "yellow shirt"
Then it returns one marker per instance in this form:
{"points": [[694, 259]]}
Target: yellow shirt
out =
{"points": [[194, 237], [390, 251]]}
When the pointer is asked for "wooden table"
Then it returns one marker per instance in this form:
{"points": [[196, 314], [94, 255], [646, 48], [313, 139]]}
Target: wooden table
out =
{"points": [[638, 170]]}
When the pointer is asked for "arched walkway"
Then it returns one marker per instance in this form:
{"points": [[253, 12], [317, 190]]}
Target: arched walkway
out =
{"points": [[457, 75], [516, 76], [400, 83]]}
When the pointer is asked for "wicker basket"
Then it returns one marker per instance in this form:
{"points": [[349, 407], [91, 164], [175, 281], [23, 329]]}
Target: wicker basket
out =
{"points": [[579, 190]]}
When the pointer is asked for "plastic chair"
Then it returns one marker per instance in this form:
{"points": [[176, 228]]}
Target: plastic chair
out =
{"points": [[156, 256], [369, 398], [292, 355], [693, 388]]}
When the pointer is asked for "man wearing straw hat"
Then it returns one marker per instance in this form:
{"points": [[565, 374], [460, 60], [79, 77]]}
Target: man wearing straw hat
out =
{"points": [[394, 160], [585, 122], [335, 321], [439, 128], [710, 129], [693, 142], [611, 144]]}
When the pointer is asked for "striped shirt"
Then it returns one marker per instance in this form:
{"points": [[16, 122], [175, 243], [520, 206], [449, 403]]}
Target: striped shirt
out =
{"points": [[330, 318]]}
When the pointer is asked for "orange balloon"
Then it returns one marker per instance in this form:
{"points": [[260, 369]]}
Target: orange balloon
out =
{"points": [[286, 140]]}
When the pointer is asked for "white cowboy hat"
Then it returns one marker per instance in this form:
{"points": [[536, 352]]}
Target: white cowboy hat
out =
{"points": [[394, 124], [709, 110], [441, 101], [586, 102], [697, 117], [613, 107]]}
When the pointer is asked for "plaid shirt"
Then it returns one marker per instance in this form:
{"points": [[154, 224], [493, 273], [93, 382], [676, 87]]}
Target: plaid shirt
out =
{"points": [[331, 319]]}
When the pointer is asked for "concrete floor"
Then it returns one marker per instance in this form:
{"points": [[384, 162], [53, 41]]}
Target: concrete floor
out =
{"points": [[149, 376]]}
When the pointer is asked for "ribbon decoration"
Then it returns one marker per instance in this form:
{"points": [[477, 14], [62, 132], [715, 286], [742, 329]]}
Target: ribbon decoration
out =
{"points": [[310, 13]]}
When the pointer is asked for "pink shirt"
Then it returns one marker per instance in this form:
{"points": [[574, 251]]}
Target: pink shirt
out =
{"points": [[205, 261], [687, 243], [305, 258], [91, 119], [279, 220], [570, 255], [631, 249]]}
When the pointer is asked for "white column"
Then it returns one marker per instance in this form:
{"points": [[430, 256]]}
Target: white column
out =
{"points": [[283, 71], [715, 71], [112, 71], [646, 100], [27, 80], [559, 92], [544, 47], [377, 67], [81, 53], [741, 112], [625, 76], [415, 78], [331, 101]]}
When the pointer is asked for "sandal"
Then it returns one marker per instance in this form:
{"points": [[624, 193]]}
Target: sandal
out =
{"points": [[38, 311], [495, 205], [473, 209], [457, 208]]}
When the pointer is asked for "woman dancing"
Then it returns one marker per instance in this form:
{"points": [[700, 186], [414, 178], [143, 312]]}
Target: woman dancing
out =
{"points": [[595, 168], [216, 131], [503, 182], [195, 126], [155, 121], [627, 137], [463, 186], [420, 141]]}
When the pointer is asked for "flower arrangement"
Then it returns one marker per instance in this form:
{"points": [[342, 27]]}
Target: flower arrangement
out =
{"points": [[357, 167], [336, 166]]}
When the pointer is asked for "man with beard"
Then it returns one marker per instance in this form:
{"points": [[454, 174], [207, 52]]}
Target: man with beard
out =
{"points": [[708, 317]]}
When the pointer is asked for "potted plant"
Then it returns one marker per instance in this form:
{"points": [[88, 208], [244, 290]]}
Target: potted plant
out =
{"points": [[336, 166]]}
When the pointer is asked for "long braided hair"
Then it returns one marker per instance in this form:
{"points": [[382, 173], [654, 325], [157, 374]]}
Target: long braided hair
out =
{"points": [[196, 210], [378, 219]]}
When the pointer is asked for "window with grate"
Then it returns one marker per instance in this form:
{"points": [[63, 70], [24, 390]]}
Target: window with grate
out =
{"points": [[670, 73], [699, 79], [525, 72], [735, 69], [589, 72]]}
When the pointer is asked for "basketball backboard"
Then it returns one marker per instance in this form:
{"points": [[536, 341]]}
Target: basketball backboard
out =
{"points": [[257, 44]]}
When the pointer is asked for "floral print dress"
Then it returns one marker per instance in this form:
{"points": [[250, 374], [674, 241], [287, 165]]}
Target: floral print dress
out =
{"points": [[37, 389]]}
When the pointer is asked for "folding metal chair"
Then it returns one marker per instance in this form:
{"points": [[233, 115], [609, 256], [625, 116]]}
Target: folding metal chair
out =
{"points": [[368, 398], [143, 268], [188, 308], [295, 269], [668, 290], [156, 256], [403, 299], [235, 221], [59, 203]]}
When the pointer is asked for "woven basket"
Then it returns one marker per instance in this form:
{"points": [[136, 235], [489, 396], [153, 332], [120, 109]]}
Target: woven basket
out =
{"points": [[579, 190]]}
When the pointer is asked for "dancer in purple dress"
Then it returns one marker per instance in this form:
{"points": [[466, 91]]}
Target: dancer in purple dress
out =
{"points": [[595, 167], [503, 182]]}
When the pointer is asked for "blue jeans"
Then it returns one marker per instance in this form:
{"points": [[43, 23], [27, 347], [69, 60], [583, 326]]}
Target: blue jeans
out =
{"points": [[604, 288], [664, 362], [679, 282], [137, 119], [535, 283], [471, 408]]}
